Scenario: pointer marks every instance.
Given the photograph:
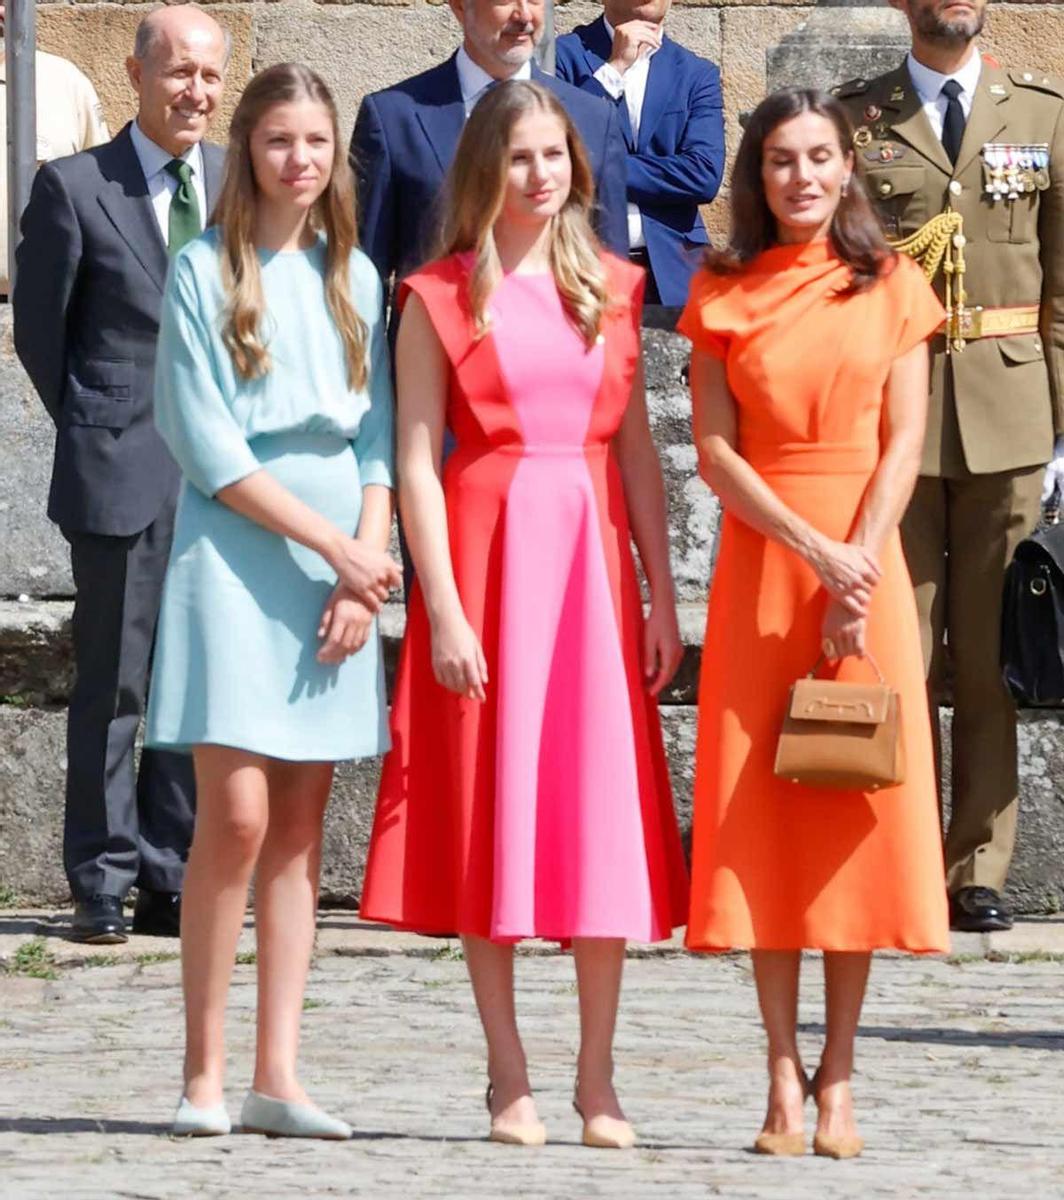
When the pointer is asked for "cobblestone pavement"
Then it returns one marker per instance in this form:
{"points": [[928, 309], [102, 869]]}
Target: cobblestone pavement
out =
{"points": [[960, 1064]]}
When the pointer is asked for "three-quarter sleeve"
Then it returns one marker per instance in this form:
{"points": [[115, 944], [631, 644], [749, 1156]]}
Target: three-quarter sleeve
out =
{"points": [[191, 412], [915, 299], [374, 444], [697, 322]]}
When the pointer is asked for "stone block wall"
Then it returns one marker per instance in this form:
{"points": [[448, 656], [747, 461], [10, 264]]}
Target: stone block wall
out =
{"points": [[361, 45]]}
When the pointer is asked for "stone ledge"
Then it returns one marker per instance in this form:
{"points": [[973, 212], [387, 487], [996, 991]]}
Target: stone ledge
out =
{"points": [[37, 669]]}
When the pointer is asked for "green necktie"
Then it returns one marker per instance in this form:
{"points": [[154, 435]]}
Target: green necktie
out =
{"points": [[185, 220]]}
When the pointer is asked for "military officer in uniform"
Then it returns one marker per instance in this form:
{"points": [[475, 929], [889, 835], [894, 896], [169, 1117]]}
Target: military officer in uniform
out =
{"points": [[951, 138]]}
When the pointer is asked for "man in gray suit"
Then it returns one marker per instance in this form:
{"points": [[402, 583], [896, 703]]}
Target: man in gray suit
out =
{"points": [[97, 234]]}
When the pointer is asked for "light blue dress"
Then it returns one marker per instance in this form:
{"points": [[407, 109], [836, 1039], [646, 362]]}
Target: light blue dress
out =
{"points": [[235, 653]]}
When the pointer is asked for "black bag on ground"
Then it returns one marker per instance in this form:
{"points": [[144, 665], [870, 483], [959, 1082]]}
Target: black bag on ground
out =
{"points": [[1032, 619]]}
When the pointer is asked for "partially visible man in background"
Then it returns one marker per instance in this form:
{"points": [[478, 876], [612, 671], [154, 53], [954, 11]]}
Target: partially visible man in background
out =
{"points": [[69, 119], [951, 137], [669, 105], [97, 234], [406, 135]]}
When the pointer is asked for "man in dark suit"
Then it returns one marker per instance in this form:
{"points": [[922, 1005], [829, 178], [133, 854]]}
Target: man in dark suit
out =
{"points": [[88, 290], [405, 136], [669, 105]]}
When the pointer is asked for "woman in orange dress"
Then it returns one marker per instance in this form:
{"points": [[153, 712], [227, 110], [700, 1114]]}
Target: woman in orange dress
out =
{"points": [[810, 379]]}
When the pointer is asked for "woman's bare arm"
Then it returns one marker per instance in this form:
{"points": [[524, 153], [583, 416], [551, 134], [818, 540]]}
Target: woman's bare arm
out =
{"points": [[644, 493]]}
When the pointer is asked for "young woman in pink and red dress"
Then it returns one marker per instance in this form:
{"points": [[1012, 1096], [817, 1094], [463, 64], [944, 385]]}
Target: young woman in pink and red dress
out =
{"points": [[527, 793]]}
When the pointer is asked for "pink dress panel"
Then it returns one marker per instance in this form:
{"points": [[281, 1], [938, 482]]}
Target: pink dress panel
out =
{"points": [[569, 843]]}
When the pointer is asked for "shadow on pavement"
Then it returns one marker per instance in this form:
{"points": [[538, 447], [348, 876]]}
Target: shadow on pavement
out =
{"points": [[1024, 1039], [79, 1125]]}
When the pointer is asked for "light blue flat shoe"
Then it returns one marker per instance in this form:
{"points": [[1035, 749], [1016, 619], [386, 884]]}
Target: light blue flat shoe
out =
{"points": [[283, 1118], [191, 1121]]}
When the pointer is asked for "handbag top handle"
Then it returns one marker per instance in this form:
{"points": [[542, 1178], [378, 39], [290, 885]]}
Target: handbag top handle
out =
{"points": [[868, 658]]}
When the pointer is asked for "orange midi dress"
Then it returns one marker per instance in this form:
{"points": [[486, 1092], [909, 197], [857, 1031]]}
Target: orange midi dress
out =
{"points": [[778, 865]]}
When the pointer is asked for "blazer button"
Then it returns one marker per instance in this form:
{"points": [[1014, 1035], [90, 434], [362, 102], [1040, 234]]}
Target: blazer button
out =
{"points": [[885, 189], [955, 187]]}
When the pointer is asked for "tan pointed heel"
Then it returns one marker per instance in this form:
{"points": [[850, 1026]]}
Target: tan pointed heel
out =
{"points": [[605, 1133], [849, 1146], [781, 1145], [514, 1133]]}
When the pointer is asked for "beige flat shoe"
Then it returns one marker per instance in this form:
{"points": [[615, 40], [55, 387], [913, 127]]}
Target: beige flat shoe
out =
{"points": [[848, 1146], [782, 1145]]}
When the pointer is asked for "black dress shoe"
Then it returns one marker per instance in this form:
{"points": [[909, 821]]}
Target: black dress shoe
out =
{"points": [[157, 914], [98, 919], [978, 910]]}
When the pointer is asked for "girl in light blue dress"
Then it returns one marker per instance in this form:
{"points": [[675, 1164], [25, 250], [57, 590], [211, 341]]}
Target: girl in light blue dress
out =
{"points": [[273, 391]]}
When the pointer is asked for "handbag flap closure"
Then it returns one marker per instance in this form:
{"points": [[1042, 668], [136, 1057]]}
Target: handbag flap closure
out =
{"points": [[832, 700]]}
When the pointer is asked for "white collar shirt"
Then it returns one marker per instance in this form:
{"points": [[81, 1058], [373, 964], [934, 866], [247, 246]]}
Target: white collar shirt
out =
{"points": [[475, 81], [632, 85], [161, 184], [928, 84]]}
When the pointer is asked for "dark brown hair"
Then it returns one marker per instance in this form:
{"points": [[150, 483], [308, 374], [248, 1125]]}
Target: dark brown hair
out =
{"points": [[856, 233]]}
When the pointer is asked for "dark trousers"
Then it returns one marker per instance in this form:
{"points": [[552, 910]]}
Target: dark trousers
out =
{"points": [[123, 827], [959, 536]]}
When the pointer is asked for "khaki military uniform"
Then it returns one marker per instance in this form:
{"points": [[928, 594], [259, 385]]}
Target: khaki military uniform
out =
{"points": [[69, 119], [994, 407]]}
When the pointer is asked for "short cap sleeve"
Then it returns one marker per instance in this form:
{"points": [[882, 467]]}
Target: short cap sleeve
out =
{"points": [[704, 318], [914, 299]]}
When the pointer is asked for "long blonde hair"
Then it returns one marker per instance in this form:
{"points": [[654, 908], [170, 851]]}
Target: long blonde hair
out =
{"points": [[234, 214], [476, 190]]}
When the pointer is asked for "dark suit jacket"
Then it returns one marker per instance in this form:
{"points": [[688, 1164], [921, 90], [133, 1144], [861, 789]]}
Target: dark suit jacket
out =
{"points": [[89, 287], [405, 138], [678, 162]]}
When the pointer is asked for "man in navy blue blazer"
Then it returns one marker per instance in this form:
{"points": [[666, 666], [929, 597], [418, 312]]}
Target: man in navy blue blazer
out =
{"points": [[405, 136], [668, 101]]}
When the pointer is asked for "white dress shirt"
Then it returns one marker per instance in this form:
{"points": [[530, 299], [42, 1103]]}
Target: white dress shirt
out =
{"points": [[632, 85], [475, 81], [161, 184], [929, 83]]}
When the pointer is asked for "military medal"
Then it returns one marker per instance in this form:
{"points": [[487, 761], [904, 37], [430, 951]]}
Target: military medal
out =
{"points": [[1041, 165], [862, 137], [873, 112]]}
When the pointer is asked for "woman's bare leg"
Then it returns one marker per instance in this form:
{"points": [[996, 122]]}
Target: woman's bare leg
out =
{"points": [[845, 982], [599, 966], [491, 971], [231, 816], [286, 904], [776, 973]]}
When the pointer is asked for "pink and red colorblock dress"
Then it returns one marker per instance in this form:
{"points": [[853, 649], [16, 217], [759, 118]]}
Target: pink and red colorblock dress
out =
{"points": [[546, 811]]}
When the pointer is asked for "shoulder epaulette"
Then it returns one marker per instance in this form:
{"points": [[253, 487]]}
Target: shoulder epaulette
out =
{"points": [[855, 87], [1040, 82]]}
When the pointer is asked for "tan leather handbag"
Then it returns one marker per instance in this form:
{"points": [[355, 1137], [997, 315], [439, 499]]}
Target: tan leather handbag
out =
{"points": [[842, 735]]}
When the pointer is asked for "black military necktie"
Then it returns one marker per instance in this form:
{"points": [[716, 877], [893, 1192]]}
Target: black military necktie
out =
{"points": [[953, 125]]}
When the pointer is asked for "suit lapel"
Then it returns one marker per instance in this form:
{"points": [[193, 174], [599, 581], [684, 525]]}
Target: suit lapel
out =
{"points": [[597, 46], [910, 121], [124, 198], [988, 116], [442, 120], [660, 79]]}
